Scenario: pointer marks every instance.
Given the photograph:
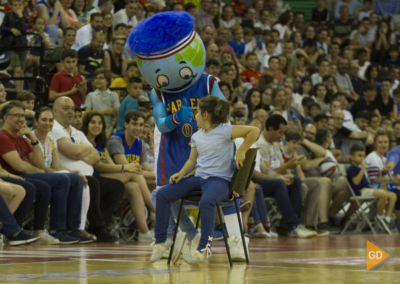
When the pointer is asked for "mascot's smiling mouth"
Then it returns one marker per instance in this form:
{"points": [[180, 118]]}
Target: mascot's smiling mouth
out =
{"points": [[181, 87]]}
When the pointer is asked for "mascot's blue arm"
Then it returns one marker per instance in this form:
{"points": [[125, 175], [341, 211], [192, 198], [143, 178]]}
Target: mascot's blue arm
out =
{"points": [[217, 92], [161, 116]]}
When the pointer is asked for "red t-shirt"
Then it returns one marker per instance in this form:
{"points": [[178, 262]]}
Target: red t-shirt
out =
{"points": [[62, 82], [10, 143], [251, 77]]}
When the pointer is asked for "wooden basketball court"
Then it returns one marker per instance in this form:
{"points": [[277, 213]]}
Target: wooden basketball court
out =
{"points": [[335, 259]]}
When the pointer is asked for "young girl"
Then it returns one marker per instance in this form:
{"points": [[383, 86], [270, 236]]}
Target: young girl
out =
{"points": [[211, 155]]}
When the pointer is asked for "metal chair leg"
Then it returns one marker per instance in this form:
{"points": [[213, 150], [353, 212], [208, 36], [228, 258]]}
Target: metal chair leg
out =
{"points": [[241, 229], [175, 232], [221, 221]]}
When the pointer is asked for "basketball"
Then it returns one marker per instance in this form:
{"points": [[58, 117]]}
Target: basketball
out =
{"points": [[328, 168]]}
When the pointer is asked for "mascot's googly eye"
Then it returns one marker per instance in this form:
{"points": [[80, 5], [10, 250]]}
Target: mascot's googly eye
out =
{"points": [[186, 73], [162, 80]]}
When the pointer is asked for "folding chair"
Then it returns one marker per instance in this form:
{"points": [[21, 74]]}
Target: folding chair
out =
{"points": [[240, 181], [273, 212], [365, 215]]}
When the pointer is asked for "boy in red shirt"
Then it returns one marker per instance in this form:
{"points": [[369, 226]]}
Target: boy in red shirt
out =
{"points": [[68, 82], [251, 74]]}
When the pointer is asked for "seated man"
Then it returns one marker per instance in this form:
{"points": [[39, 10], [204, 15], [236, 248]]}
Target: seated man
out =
{"points": [[20, 155], [77, 153], [126, 147], [272, 166]]}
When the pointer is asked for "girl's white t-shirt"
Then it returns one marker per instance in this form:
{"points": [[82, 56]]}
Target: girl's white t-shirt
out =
{"points": [[215, 152]]}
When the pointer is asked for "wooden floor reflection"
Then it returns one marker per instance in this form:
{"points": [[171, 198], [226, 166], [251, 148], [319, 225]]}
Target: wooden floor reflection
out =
{"points": [[336, 259]]}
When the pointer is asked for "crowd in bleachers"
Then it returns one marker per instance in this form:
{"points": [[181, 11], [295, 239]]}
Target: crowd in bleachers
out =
{"points": [[322, 91]]}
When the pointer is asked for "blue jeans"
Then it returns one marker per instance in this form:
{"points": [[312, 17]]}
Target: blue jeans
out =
{"points": [[74, 201], [59, 185], [10, 226], [259, 210], [284, 196], [213, 189], [185, 223], [28, 201]]}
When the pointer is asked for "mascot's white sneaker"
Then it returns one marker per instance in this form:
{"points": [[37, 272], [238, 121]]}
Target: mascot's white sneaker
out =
{"points": [[236, 248], [168, 244]]}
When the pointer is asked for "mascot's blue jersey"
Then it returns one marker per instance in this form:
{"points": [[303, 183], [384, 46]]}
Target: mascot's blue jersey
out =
{"points": [[132, 154], [102, 156], [175, 145]]}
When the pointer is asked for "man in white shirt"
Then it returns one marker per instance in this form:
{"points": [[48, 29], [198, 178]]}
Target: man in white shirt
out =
{"points": [[84, 34], [77, 153], [272, 166], [127, 15]]}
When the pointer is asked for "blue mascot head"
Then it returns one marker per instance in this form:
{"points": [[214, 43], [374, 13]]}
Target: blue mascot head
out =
{"points": [[170, 54]]}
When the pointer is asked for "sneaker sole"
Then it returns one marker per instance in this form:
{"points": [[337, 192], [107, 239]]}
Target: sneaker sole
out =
{"points": [[22, 242], [69, 242]]}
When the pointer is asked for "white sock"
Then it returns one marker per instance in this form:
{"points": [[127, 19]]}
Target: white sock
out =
{"points": [[380, 217], [85, 207], [388, 219]]}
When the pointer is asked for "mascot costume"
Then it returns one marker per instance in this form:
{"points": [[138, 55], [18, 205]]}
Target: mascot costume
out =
{"points": [[171, 57]]}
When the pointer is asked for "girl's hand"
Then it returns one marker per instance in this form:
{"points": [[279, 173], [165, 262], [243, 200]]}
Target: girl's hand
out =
{"points": [[240, 157], [175, 178]]}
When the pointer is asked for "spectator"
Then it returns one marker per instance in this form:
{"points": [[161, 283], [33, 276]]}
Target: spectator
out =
{"points": [[77, 153], [130, 102], [252, 102], [203, 15], [361, 186], [120, 84], [103, 7], [272, 167], [343, 25], [54, 16], [366, 102], [251, 74], [343, 80], [273, 69], [68, 82], [319, 14], [92, 56], [78, 10], [13, 30], [28, 100], [51, 163], [381, 45], [228, 19], [103, 100], [69, 39], [310, 186], [77, 122], [23, 156], [339, 191], [384, 101], [84, 34], [213, 67], [237, 43], [126, 147], [127, 15], [323, 70], [93, 127]]}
